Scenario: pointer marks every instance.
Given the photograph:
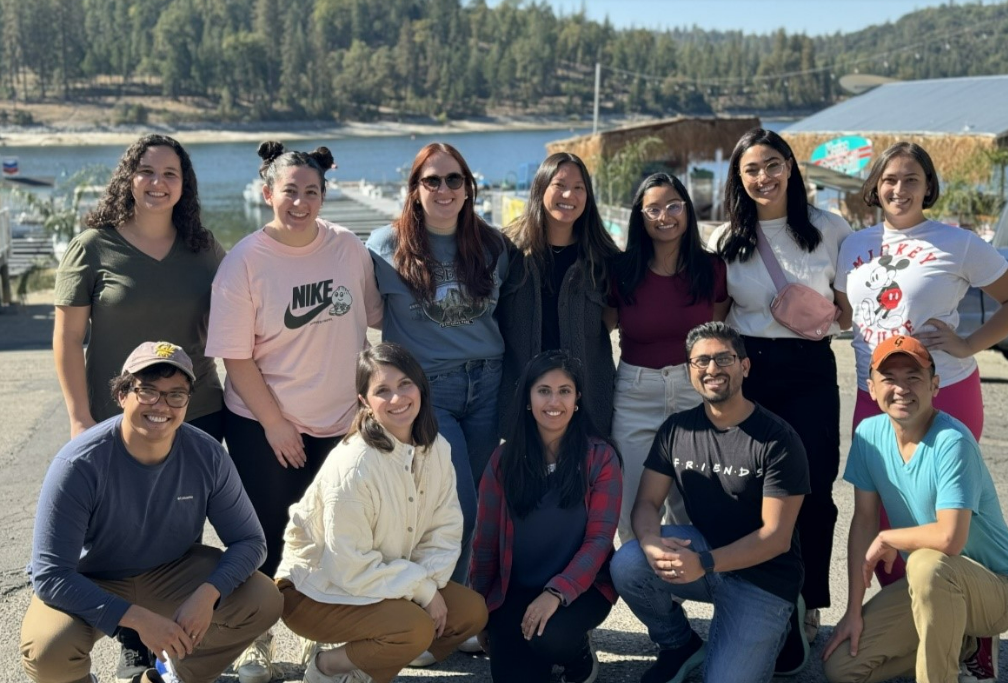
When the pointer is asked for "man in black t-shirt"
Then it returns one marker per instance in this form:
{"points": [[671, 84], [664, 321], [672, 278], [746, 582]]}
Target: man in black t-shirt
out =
{"points": [[742, 474]]}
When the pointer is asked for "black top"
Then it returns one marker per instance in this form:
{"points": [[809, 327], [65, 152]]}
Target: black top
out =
{"points": [[547, 539], [563, 259], [723, 476]]}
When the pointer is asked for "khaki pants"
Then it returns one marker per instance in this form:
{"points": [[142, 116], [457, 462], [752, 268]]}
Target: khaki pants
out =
{"points": [[383, 637], [918, 624], [56, 646]]}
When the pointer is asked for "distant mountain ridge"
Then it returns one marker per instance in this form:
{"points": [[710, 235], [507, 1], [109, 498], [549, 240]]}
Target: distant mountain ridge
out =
{"points": [[262, 60]]}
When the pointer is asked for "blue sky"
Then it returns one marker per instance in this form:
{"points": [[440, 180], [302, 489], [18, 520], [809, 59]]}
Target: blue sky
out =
{"points": [[813, 17]]}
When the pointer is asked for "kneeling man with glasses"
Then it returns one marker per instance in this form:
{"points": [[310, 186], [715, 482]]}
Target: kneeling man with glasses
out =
{"points": [[742, 474], [116, 538]]}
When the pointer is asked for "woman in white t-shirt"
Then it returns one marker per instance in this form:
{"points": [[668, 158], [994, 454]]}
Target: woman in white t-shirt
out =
{"points": [[289, 312], [907, 275], [793, 377]]}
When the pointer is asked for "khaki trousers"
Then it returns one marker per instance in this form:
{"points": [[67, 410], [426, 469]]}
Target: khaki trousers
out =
{"points": [[925, 623], [383, 637], [56, 646]]}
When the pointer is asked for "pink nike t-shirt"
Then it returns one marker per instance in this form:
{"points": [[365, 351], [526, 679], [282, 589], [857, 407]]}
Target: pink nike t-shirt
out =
{"points": [[301, 313]]}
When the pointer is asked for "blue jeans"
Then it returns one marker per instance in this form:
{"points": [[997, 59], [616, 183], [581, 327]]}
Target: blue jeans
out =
{"points": [[465, 402], [749, 624]]}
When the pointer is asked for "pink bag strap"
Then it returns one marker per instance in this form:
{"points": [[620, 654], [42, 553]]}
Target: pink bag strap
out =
{"points": [[769, 260]]}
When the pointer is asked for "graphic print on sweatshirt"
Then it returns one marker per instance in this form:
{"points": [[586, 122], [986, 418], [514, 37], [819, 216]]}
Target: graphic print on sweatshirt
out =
{"points": [[882, 310], [451, 306], [315, 303]]}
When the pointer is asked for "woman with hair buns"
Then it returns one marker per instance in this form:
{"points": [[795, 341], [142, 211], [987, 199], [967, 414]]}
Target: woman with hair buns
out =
{"points": [[289, 313]]}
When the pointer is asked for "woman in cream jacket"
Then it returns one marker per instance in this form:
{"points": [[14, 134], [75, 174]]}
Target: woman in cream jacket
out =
{"points": [[370, 548]]}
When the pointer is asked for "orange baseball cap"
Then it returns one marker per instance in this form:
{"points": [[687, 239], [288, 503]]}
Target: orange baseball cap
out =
{"points": [[905, 345]]}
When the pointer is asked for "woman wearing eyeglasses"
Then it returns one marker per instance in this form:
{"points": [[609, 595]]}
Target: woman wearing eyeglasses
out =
{"points": [[793, 377], [558, 286], [439, 268], [666, 284]]}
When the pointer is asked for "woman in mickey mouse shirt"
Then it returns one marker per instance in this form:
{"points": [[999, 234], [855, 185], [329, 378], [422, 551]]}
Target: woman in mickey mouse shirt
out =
{"points": [[907, 276]]}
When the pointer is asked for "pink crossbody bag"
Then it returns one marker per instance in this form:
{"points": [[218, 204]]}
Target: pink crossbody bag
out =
{"points": [[797, 307]]}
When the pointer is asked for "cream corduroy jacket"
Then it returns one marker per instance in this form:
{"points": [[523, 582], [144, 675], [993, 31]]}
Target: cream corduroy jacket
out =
{"points": [[375, 526]]}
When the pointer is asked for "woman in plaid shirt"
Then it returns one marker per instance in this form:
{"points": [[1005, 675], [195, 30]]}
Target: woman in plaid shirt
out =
{"points": [[549, 505]]}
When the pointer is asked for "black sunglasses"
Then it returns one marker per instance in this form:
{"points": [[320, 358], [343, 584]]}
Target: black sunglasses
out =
{"points": [[433, 182]]}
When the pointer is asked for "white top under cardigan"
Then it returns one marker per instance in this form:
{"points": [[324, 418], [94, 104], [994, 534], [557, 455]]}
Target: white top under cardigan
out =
{"points": [[752, 290], [375, 526]]}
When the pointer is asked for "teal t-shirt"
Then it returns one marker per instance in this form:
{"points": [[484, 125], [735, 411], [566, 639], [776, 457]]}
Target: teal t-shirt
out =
{"points": [[454, 327], [946, 472]]}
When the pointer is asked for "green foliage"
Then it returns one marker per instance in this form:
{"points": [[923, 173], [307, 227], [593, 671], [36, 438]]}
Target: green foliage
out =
{"points": [[332, 59], [617, 176], [130, 114], [23, 118]]}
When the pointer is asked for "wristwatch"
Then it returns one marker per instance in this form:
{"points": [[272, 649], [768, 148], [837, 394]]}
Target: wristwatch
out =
{"points": [[707, 561]]}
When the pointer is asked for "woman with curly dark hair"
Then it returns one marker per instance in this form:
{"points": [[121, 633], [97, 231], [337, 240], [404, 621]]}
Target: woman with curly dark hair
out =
{"points": [[439, 268], [141, 271]]}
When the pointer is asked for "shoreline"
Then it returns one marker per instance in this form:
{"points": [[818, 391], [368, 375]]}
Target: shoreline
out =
{"points": [[207, 132]]}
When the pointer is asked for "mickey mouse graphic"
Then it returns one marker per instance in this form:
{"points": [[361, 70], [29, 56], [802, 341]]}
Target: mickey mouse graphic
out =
{"points": [[886, 310]]}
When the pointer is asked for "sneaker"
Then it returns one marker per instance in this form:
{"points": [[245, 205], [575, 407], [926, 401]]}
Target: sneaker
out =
{"points": [[313, 675], [471, 646], [794, 655], [255, 665], [586, 669], [812, 621], [673, 666], [425, 659], [982, 665], [134, 657]]}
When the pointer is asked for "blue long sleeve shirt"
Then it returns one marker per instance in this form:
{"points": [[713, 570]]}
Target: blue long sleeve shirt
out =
{"points": [[104, 515]]}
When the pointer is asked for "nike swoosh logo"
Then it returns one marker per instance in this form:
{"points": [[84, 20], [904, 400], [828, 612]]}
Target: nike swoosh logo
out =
{"points": [[292, 322]]}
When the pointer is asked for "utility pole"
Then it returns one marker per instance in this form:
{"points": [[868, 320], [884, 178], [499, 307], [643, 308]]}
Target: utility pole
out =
{"points": [[598, 82]]}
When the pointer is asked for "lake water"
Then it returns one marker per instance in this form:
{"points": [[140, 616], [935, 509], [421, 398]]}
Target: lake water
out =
{"points": [[224, 168]]}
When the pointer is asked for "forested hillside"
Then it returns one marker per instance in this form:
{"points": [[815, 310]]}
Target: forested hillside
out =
{"points": [[356, 59]]}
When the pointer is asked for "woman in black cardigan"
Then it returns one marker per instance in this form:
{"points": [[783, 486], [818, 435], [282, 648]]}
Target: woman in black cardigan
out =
{"points": [[558, 285]]}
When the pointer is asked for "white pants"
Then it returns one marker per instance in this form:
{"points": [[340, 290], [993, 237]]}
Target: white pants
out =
{"points": [[644, 398]]}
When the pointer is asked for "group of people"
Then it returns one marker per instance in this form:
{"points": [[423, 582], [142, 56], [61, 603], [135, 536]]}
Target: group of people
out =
{"points": [[461, 484]]}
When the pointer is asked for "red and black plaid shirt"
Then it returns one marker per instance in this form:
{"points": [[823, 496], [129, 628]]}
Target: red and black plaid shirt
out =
{"points": [[490, 570]]}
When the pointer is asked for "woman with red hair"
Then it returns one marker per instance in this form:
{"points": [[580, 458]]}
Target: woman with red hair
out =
{"points": [[439, 268]]}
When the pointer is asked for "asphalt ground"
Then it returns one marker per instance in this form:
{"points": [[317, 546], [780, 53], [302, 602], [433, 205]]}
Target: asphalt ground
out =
{"points": [[34, 426]]}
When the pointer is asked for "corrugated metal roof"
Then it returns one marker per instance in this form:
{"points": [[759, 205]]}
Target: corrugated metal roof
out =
{"points": [[977, 105]]}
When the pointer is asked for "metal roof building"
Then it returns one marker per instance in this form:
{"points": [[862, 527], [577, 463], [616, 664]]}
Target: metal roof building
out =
{"points": [[955, 119]]}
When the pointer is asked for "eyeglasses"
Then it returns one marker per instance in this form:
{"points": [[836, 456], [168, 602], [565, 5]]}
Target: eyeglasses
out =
{"points": [[433, 182], [148, 397], [772, 170], [722, 360], [674, 208]]}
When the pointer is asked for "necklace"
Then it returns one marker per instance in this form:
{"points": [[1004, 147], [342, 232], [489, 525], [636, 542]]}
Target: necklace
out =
{"points": [[557, 250]]}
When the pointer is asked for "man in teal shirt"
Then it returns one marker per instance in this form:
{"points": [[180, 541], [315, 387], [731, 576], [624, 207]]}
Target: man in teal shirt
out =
{"points": [[925, 468]]}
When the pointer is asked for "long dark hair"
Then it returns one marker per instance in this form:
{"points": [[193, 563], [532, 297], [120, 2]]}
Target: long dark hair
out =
{"points": [[594, 244], [117, 205], [522, 466], [276, 158], [425, 429], [739, 240], [479, 245], [694, 261]]}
